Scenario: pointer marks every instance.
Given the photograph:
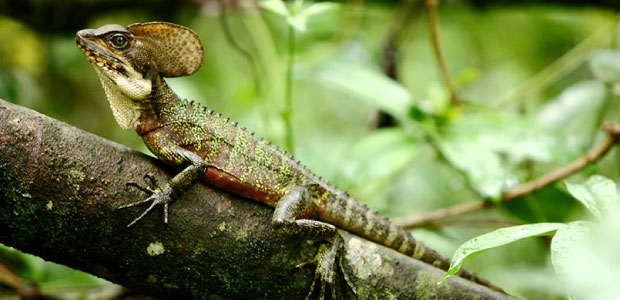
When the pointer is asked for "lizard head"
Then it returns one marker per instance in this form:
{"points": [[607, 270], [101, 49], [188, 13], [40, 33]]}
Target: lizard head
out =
{"points": [[131, 61]]}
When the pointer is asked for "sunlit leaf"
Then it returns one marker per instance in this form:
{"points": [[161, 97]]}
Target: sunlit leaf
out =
{"points": [[298, 23], [485, 145], [275, 6], [585, 258], [605, 65], [482, 166], [575, 111], [297, 14], [467, 76], [598, 194], [300, 19], [368, 84], [498, 238], [564, 248], [378, 156], [318, 8]]}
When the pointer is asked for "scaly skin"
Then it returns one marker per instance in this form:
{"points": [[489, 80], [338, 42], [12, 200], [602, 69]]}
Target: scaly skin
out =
{"points": [[132, 63]]}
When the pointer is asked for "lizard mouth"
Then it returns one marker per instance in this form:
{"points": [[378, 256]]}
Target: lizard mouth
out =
{"points": [[97, 55]]}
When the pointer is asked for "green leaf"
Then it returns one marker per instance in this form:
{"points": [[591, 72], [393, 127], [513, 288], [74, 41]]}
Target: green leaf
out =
{"points": [[605, 65], [495, 239], [298, 14], [551, 204], [585, 258], [300, 19], [368, 84], [598, 194], [485, 145], [467, 76], [377, 157], [299, 24], [317, 9], [275, 6], [576, 111], [482, 166], [564, 247]]}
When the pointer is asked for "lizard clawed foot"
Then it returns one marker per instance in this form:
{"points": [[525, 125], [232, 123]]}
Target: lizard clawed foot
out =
{"points": [[325, 272], [157, 195], [152, 185]]}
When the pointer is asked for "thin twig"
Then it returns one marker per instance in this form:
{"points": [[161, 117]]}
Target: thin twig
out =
{"points": [[433, 25], [469, 223], [243, 52], [403, 15], [596, 153], [405, 12], [287, 112], [556, 70]]}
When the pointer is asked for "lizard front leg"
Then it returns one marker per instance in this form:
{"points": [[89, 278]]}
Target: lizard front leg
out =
{"points": [[175, 187], [291, 215]]}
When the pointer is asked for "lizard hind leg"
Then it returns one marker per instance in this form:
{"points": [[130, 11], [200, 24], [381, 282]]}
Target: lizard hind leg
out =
{"points": [[326, 267], [290, 215]]}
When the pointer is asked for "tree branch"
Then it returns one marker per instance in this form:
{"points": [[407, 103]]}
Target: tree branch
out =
{"points": [[60, 186], [593, 155]]}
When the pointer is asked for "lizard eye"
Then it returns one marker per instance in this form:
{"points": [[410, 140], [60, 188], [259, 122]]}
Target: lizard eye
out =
{"points": [[119, 41]]}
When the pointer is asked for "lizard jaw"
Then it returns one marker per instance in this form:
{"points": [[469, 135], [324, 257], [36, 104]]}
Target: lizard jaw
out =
{"points": [[123, 85]]}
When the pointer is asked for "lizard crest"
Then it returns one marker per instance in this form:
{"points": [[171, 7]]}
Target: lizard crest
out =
{"points": [[127, 60]]}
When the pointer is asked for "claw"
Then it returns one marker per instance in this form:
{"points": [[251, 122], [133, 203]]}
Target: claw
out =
{"points": [[151, 187], [155, 196], [132, 204], [152, 180], [325, 269], [155, 203], [142, 188]]}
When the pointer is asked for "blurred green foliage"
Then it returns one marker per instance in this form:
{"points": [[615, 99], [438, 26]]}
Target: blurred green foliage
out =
{"points": [[578, 248], [535, 84]]}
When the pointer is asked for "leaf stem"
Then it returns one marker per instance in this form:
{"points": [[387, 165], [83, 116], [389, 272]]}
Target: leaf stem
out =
{"points": [[287, 112], [433, 25]]}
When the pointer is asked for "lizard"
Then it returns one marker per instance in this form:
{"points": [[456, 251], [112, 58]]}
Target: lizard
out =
{"points": [[132, 63]]}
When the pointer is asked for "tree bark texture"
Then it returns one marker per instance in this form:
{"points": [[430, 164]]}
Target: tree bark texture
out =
{"points": [[59, 187]]}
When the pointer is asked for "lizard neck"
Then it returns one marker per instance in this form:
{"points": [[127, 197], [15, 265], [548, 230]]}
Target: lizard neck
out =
{"points": [[157, 107]]}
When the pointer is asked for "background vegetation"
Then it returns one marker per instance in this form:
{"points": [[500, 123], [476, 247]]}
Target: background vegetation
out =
{"points": [[358, 92]]}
